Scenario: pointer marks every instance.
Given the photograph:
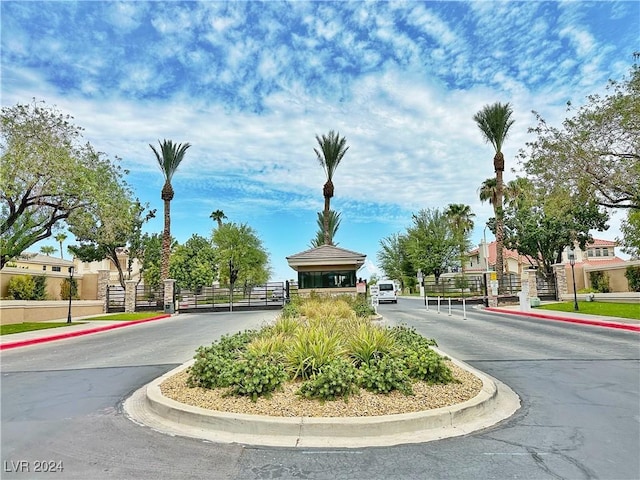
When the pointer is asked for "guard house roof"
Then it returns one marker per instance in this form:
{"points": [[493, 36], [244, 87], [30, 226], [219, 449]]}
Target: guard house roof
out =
{"points": [[326, 255]]}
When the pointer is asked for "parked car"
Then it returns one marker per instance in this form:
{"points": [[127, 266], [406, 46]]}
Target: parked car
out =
{"points": [[387, 291]]}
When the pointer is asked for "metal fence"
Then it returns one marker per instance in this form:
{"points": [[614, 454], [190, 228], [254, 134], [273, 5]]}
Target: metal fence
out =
{"points": [[222, 298], [115, 298], [147, 298]]}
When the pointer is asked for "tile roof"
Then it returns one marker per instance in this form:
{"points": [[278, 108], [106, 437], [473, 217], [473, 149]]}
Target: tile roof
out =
{"points": [[326, 255]]}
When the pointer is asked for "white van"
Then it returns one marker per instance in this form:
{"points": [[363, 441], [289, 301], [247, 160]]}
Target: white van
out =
{"points": [[387, 291]]}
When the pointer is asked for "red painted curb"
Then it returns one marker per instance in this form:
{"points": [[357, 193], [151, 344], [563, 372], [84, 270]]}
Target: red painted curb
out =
{"points": [[78, 333], [598, 323]]}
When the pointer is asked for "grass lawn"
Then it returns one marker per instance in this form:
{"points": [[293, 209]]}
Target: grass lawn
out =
{"points": [[126, 317], [622, 310], [28, 327]]}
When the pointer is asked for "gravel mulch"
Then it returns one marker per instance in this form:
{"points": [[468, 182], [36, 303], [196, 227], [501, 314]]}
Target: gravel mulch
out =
{"points": [[285, 403]]}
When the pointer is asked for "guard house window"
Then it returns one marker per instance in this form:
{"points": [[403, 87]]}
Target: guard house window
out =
{"points": [[55, 269], [330, 279]]}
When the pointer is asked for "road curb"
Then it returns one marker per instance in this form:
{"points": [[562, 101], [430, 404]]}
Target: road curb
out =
{"points": [[582, 321], [494, 403], [77, 333]]}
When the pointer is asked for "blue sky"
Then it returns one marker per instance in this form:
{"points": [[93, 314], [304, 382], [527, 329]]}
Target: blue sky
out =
{"points": [[250, 85]]}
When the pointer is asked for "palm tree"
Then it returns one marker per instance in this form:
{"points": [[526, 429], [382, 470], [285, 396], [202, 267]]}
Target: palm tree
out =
{"points": [[494, 121], [487, 192], [218, 216], [61, 237], [516, 192], [169, 158], [461, 218], [332, 149], [47, 250], [334, 223]]}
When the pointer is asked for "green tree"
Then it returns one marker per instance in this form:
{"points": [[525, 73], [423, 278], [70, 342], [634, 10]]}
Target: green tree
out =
{"points": [[494, 121], [48, 175], [47, 250], [630, 229], [544, 222], [596, 152], [461, 218], [109, 231], [193, 265], [218, 216], [334, 223], [240, 244], [332, 150], [392, 257], [169, 159], [430, 242], [150, 257], [60, 238]]}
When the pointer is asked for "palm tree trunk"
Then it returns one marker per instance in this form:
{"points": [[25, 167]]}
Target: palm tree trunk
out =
{"points": [[327, 207], [166, 241], [499, 226]]}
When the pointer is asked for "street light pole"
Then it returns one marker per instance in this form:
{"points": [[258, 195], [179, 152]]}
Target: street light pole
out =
{"points": [[70, 293], [572, 262]]}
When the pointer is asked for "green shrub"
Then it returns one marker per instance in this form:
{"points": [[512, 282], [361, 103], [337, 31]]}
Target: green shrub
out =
{"points": [[64, 289], [290, 310], [338, 378], [213, 365], [409, 337], [369, 343], [362, 308], [21, 287], [40, 287], [384, 375], [633, 277], [599, 281], [254, 375], [311, 350], [425, 364]]}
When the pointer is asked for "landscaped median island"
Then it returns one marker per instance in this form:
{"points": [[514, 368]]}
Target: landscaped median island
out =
{"points": [[323, 357]]}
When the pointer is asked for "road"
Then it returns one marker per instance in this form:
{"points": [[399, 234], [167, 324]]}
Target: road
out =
{"points": [[579, 385]]}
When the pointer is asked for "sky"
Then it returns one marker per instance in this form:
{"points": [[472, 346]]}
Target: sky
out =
{"points": [[250, 84]]}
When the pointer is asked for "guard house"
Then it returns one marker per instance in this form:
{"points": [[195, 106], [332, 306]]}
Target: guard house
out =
{"points": [[327, 269]]}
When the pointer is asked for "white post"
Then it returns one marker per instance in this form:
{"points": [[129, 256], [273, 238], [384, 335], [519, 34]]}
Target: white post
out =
{"points": [[449, 306], [438, 303], [464, 309], [426, 300]]}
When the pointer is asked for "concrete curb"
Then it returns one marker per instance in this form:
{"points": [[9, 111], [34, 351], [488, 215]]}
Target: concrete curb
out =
{"points": [[582, 321], [77, 333], [494, 403]]}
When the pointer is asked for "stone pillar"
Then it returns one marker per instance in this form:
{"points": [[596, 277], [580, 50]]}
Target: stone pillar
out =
{"points": [[533, 284], [103, 285], [562, 287], [130, 295], [169, 289]]}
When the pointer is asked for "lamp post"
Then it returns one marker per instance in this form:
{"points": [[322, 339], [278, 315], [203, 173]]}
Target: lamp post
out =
{"points": [[70, 293], [572, 262]]}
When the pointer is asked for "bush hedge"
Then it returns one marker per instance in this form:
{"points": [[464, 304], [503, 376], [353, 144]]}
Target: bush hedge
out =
{"points": [[327, 347]]}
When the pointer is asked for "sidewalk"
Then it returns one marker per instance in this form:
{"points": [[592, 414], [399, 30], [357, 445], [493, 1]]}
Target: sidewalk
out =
{"points": [[572, 317], [34, 337]]}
